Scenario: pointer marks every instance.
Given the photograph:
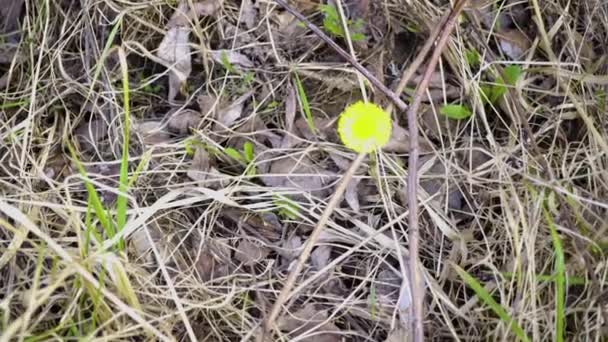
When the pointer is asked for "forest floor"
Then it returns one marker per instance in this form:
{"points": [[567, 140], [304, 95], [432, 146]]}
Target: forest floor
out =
{"points": [[163, 164]]}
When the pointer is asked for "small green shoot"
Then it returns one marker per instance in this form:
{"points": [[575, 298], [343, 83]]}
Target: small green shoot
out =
{"points": [[248, 152], [287, 209], [511, 74], [333, 24], [94, 199], [486, 297], [492, 93], [456, 112], [304, 104], [234, 154], [226, 63], [246, 157], [473, 58]]}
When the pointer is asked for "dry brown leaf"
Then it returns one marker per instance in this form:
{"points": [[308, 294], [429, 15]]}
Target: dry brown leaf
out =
{"points": [[437, 126], [387, 286], [320, 256], [292, 247], [199, 169], [298, 173], [325, 129], [399, 141], [174, 49], [208, 104], [249, 14], [142, 245], [250, 253], [183, 121], [306, 318], [234, 58], [351, 195], [307, 315], [152, 132], [513, 43], [212, 260], [433, 179], [227, 116]]}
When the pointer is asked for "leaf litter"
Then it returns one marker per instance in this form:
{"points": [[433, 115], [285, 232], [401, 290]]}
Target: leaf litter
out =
{"points": [[227, 177]]}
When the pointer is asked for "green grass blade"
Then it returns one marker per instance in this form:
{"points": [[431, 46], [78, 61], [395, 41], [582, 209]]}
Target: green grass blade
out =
{"points": [[486, 297], [94, 199], [122, 201], [304, 103], [560, 278]]}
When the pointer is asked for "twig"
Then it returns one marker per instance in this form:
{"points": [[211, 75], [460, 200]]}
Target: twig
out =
{"points": [[371, 78], [412, 184], [269, 322]]}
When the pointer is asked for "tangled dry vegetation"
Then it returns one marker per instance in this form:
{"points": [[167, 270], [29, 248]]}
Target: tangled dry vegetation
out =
{"points": [[162, 163]]}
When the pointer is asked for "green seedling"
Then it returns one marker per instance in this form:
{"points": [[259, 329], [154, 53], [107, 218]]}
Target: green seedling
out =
{"points": [[333, 24], [492, 93], [473, 58], [456, 112], [287, 209], [246, 157]]}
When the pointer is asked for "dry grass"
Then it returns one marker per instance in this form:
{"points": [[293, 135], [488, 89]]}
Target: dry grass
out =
{"points": [[208, 242]]}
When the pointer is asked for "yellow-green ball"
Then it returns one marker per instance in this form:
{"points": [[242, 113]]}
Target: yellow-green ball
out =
{"points": [[364, 127]]}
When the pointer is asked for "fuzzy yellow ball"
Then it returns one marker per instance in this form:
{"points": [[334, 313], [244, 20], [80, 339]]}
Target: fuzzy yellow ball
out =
{"points": [[364, 127]]}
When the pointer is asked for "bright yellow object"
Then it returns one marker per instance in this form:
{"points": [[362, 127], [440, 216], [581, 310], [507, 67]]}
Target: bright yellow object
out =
{"points": [[364, 127]]}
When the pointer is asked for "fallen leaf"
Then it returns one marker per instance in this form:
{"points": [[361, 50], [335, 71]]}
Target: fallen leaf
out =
{"points": [[351, 195], [208, 104], [152, 132], [142, 245], [399, 141], [232, 57], [297, 173], [199, 168], [307, 318], [212, 259], [513, 43], [250, 253], [227, 116], [248, 14], [183, 121], [292, 248], [174, 49], [387, 286], [320, 256], [434, 180], [325, 129]]}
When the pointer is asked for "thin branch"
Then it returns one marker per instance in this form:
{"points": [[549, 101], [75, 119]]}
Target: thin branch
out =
{"points": [[371, 78], [416, 279]]}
